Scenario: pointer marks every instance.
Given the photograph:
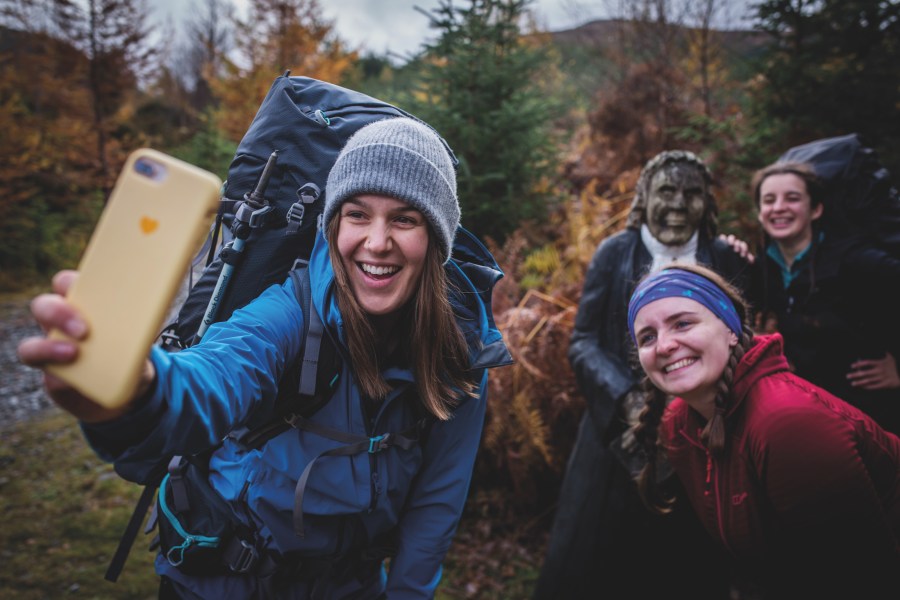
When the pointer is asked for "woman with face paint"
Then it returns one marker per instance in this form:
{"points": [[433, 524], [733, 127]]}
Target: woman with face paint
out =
{"points": [[799, 488]]}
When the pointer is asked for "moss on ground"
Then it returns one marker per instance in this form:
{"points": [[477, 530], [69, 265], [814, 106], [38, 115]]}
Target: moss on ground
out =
{"points": [[62, 512]]}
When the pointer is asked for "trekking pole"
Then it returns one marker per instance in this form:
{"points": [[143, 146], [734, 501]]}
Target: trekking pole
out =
{"points": [[249, 214]]}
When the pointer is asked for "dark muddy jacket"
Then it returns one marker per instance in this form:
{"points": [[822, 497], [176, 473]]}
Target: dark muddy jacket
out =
{"points": [[841, 307]]}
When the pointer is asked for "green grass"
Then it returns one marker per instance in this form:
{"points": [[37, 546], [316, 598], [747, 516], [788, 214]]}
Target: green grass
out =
{"points": [[62, 512]]}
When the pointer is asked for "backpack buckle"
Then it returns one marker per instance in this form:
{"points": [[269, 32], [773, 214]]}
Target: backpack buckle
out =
{"points": [[379, 443], [307, 194], [294, 215], [244, 559]]}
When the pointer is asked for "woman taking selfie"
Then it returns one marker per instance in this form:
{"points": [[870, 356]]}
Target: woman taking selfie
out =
{"points": [[799, 488], [415, 334]]}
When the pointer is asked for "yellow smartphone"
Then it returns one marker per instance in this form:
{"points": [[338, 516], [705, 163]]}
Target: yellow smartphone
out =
{"points": [[153, 222]]}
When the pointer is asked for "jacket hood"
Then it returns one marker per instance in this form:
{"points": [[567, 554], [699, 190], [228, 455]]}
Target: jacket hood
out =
{"points": [[765, 356], [472, 271]]}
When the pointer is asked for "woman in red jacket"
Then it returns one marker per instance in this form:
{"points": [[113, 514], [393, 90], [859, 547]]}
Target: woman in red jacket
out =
{"points": [[801, 489]]}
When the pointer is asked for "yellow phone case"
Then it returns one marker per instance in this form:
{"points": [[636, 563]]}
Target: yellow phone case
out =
{"points": [[138, 255]]}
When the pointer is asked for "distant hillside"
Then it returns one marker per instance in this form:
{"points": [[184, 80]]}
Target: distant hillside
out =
{"points": [[586, 50], [603, 34]]}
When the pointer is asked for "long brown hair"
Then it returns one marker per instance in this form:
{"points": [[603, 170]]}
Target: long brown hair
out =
{"points": [[646, 432], [432, 341], [816, 190]]}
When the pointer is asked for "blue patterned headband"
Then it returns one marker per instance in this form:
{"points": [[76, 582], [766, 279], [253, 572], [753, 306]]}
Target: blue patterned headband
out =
{"points": [[670, 283]]}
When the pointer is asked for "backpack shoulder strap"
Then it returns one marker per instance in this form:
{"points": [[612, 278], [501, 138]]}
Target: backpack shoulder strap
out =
{"points": [[308, 385], [313, 332], [300, 398]]}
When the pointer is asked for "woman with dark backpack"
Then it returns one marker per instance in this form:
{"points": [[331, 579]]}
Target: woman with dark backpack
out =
{"points": [[799, 489], [383, 468], [825, 291]]}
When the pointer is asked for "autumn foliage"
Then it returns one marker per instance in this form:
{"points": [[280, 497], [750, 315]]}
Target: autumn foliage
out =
{"points": [[70, 111], [276, 36]]}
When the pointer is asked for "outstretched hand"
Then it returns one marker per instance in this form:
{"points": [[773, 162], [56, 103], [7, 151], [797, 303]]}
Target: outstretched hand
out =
{"points": [[52, 311], [739, 246], [875, 373]]}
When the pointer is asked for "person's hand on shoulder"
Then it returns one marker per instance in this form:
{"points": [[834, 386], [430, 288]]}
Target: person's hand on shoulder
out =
{"points": [[741, 247], [52, 311], [875, 373]]}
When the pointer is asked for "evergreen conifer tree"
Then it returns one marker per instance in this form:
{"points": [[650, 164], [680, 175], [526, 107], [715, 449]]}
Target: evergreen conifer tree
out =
{"points": [[481, 91]]}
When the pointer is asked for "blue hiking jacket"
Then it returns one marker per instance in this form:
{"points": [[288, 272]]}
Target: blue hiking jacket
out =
{"points": [[203, 393]]}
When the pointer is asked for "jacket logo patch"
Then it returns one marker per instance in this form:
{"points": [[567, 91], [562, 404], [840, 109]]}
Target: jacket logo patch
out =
{"points": [[738, 499]]}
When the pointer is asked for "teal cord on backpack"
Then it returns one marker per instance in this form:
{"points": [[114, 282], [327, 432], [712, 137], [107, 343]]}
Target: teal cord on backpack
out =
{"points": [[175, 554], [196, 525]]}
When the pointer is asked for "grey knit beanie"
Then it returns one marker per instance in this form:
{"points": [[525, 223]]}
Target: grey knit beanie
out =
{"points": [[404, 159]]}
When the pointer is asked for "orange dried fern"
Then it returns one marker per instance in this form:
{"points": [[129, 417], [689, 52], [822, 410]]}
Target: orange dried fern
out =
{"points": [[534, 405]]}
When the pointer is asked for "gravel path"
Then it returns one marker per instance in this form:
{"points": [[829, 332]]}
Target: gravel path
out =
{"points": [[21, 392]]}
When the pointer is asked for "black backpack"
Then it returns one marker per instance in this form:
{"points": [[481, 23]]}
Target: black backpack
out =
{"points": [[274, 195], [273, 200], [860, 199]]}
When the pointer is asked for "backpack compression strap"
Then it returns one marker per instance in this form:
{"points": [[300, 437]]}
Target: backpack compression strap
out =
{"points": [[356, 444]]}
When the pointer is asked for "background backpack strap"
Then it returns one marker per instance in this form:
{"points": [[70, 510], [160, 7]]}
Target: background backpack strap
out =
{"points": [[131, 530]]}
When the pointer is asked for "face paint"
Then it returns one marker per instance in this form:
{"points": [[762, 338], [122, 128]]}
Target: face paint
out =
{"points": [[675, 204]]}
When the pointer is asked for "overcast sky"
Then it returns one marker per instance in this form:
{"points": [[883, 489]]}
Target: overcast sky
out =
{"points": [[394, 26], [383, 26]]}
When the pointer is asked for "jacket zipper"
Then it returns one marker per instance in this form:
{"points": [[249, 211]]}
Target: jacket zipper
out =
{"points": [[712, 485], [718, 497], [375, 488], [374, 477]]}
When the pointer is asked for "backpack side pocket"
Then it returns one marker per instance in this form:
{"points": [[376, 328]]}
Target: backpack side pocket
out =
{"points": [[196, 524]]}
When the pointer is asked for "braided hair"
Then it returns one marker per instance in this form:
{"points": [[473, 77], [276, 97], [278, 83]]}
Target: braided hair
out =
{"points": [[646, 432]]}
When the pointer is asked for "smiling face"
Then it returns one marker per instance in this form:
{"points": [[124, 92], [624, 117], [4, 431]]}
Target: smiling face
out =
{"points": [[382, 243], [684, 348], [676, 202], [785, 210]]}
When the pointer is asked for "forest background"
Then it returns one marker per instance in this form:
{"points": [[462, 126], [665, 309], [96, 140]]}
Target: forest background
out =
{"points": [[551, 129]]}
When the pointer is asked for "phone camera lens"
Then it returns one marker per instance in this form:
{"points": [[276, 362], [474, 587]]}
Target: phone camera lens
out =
{"points": [[144, 168]]}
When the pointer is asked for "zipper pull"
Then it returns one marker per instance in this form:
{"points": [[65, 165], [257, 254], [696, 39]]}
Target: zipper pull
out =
{"points": [[708, 473]]}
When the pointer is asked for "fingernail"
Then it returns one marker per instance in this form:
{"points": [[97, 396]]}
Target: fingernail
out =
{"points": [[75, 328], [64, 350]]}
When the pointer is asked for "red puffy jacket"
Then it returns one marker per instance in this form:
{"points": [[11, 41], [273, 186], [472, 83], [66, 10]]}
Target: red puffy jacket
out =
{"points": [[807, 490]]}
